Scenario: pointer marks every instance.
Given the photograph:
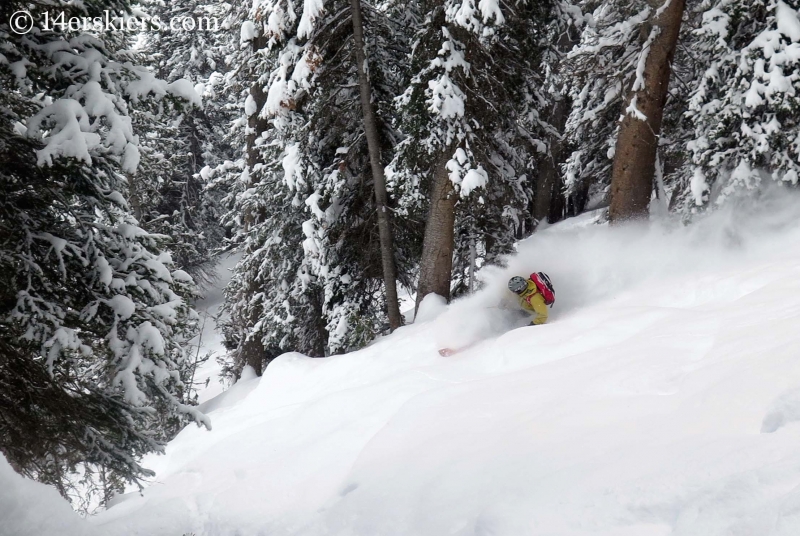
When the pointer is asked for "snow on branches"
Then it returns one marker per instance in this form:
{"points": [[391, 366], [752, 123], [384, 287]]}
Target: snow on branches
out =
{"points": [[93, 304], [744, 107]]}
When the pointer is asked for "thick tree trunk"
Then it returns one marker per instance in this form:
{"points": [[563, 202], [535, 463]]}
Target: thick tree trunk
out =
{"points": [[635, 156], [373, 144], [436, 264]]}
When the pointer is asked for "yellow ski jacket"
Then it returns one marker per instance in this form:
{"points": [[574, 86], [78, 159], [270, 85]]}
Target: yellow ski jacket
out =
{"points": [[532, 300]]}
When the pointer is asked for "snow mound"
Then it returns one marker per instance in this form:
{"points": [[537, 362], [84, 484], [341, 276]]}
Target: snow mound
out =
{"points": [[28, 508], [237, 392]]}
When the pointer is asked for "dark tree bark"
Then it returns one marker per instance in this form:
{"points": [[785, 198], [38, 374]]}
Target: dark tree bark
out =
{"points": [[635, 156], [548, 182], [255, 123], [547, 201], [436, 264], [252, 351], [378, 178]]}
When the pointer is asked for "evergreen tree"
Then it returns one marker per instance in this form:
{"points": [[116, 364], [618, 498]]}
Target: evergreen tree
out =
{"points": [[178, 153], [312, 280], [744, 106], [608, 63], [94, 318], [471, 119], [562, 35], [376, 167]]}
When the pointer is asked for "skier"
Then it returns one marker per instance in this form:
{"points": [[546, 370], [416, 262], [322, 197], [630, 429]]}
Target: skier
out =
{"points": [[535, 294]]}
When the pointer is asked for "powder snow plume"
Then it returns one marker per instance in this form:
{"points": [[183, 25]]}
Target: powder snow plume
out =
{"points": [[590, 264]]}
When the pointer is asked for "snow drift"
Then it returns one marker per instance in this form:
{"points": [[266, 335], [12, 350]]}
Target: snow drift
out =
{"points": [[662, 399], [30, 508]]}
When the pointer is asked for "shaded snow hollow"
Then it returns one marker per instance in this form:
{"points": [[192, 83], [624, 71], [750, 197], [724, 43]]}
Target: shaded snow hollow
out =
{"points": [[662, 399], [210, 340]]}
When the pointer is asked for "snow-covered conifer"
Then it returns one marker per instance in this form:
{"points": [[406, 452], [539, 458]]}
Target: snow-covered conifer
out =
{"points": [[559, 38], [304, 205], [744, 106], [606, 64], [472, 128], [179, 150], [95, 317]]}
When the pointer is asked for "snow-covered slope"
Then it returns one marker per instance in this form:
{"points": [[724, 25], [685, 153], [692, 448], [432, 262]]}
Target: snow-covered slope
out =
{"points": [[662, 399], [28, 508]]}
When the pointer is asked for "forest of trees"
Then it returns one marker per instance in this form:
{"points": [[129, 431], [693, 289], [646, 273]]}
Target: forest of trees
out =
{"points": [[355, 153]]}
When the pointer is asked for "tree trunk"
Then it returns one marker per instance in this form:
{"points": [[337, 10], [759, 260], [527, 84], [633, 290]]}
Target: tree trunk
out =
{"points": [[546, 202], [373, 144], [436, 264], [549, 179], [251, 350], [256, 124], [635, 156], [473, 254]]}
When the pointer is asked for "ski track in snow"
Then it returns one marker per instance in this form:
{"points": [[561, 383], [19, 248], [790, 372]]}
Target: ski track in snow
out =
{"points": [[662, 399]]}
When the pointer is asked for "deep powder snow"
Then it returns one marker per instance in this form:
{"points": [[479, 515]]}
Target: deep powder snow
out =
{"points": [[661, 399]]}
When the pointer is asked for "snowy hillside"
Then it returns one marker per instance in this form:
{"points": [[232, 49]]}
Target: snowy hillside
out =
{"points": [[384, 177], [660, 400]]}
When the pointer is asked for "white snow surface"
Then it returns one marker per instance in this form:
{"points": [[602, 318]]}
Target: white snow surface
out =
{"points": [[248, 31], [662, 398], [642, 409], [210, 339], [788, 22], [28, 508]]}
